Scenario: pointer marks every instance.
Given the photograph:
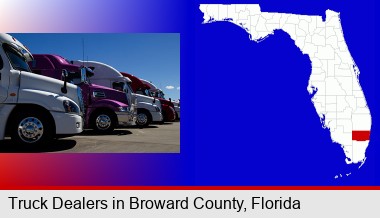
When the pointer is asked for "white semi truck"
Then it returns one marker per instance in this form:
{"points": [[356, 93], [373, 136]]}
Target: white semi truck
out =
{"points": [[148, 108], [34, 108]]}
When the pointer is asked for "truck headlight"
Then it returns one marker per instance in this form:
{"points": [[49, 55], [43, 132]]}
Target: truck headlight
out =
{"points": [[70, 107], [123, 109]]}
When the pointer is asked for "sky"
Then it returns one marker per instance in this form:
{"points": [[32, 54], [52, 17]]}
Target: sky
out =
{"points": [[151, 56]]}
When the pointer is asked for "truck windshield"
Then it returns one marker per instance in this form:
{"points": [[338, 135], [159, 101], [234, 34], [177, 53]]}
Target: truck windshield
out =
{"points": [[129, 87], [75, 77], [148, 93], [16, 58], [158, 94], [120, 86], [162, 95]]}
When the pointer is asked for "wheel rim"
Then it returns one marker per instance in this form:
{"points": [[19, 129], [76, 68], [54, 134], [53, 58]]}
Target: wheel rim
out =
{"points": [[103, 122], [142, 119], [30, 130]]}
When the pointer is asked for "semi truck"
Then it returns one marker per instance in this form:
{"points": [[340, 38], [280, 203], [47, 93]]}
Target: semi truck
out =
{"points": [[173, 108], [33, 108], [158, 93], [148, 108], [105, 108]]}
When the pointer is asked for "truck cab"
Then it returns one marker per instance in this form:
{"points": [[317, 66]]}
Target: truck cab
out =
{"points": [[34, 108], [105, 108], [158, 93], [148, 108], [172, 109]]}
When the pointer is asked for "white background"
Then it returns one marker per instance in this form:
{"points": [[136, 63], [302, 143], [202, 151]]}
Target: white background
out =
{"points": [[313, 203]]}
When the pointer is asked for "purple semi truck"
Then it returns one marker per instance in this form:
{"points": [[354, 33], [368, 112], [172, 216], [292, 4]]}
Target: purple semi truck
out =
{"points": [[105, 108]]}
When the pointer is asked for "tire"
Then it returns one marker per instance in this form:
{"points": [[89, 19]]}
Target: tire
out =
{"points": [[163, 117], [32, 128], [103, 122], [166, 118], [143, 119]]}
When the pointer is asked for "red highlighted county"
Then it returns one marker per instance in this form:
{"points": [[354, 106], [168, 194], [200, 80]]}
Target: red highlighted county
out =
{"points": [[362, 135]]}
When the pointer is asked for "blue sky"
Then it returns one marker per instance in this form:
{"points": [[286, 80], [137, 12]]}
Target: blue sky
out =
{"points": [[154, 57]]}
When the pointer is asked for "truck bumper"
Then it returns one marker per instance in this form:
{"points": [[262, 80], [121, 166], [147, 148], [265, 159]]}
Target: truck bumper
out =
{"points": [[66, 124], [126, 118], [156, 116]]}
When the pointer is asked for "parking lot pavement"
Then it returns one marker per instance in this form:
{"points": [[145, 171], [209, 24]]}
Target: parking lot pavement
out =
{"points": [[160, 138]]}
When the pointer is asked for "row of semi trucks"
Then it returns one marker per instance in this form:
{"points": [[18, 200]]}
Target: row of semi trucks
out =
{"points": [[45, 96]]}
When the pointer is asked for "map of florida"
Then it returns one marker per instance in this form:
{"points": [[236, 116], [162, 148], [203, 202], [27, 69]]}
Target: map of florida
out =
{"points": [[334, 81]]}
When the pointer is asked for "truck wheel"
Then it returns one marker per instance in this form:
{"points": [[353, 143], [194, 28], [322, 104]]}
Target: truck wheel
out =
{"points": [[31, 128], [163, 117], [143, 119], [104, 122]]}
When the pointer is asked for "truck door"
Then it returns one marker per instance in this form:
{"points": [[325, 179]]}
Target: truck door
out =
{"points": [[3, 82]]}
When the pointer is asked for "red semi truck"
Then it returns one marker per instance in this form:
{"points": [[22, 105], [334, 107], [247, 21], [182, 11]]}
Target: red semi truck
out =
{"points": [[140, 87], [158, 93]]}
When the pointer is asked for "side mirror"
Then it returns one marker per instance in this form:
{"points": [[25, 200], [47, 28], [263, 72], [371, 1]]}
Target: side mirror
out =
{"points": [[83, 75], [65, 74], [170, 99]]}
